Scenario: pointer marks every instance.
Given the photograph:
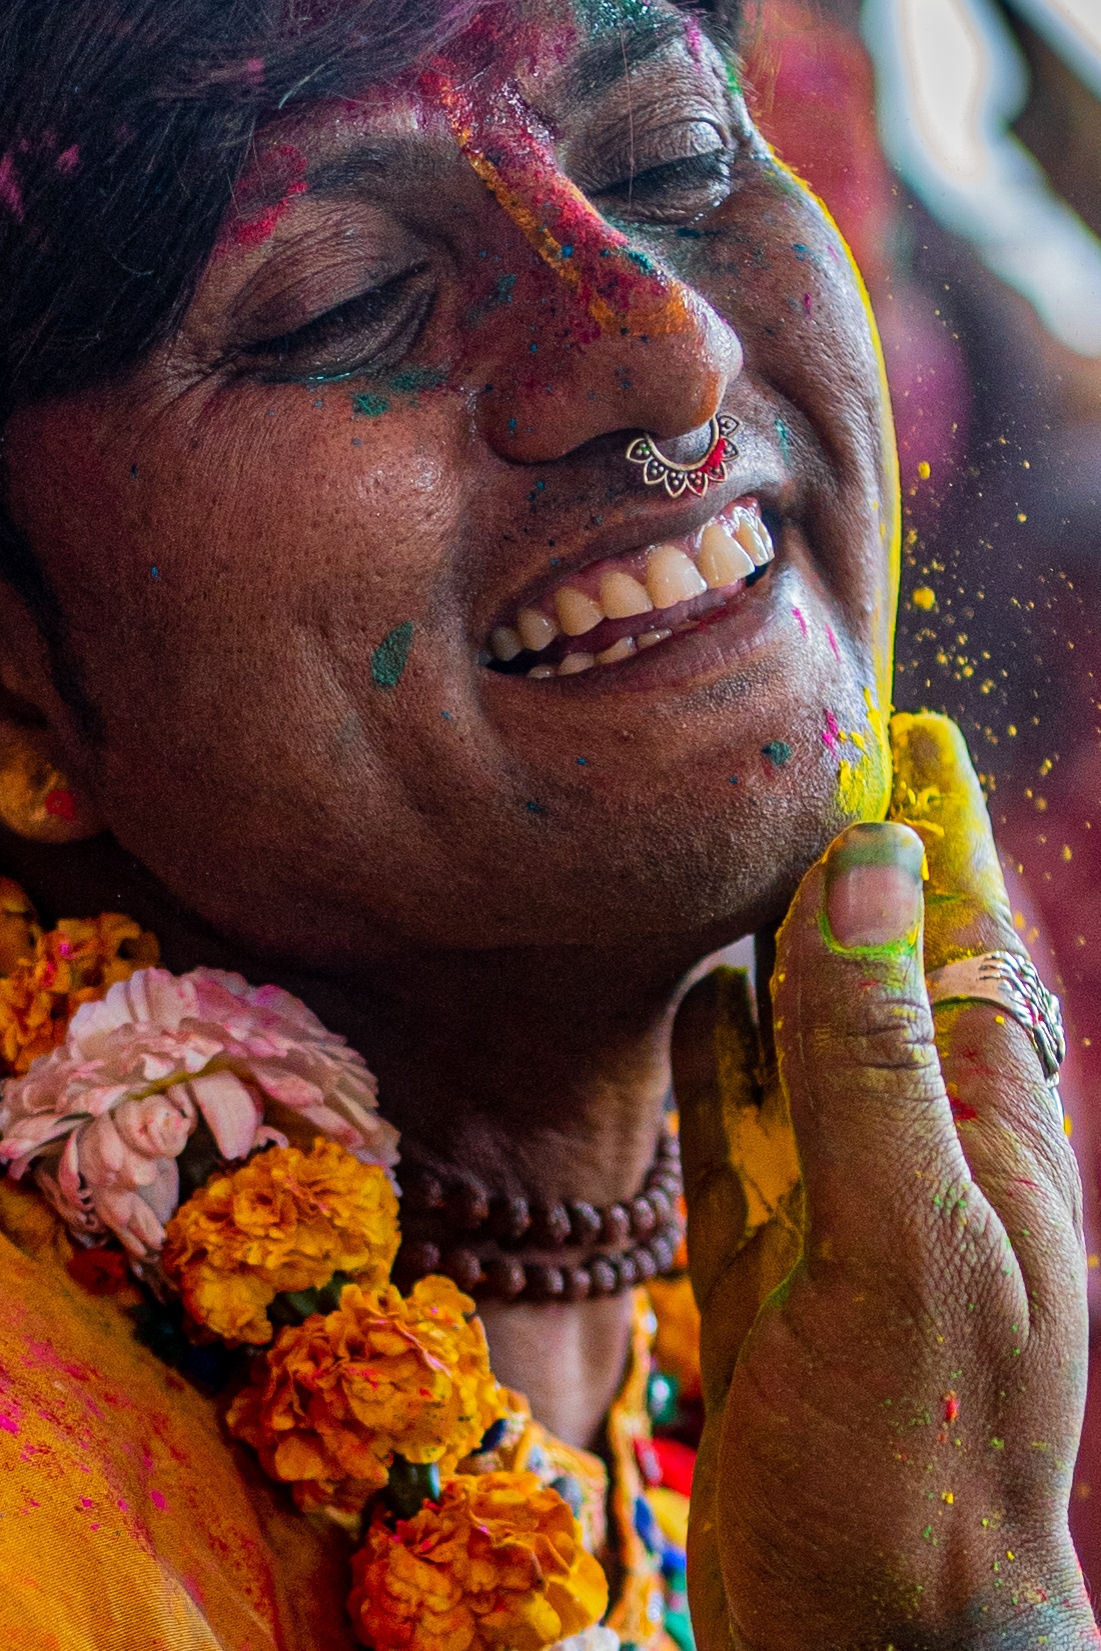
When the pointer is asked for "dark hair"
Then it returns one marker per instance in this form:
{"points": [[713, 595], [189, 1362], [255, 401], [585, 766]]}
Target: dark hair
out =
{"points": [[124, 126]]}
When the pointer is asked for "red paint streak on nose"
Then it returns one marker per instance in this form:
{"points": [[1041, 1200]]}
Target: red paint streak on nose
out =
{"points": [[621, 288]]}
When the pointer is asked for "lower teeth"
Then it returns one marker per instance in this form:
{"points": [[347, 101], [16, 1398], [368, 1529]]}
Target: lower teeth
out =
{"points": [[573, 664]]}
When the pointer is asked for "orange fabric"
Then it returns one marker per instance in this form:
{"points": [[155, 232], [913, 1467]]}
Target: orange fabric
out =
{"points": [[128, 1521]]}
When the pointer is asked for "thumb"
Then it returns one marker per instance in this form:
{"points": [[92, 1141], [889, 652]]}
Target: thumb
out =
{"points": [[857, 1057]]}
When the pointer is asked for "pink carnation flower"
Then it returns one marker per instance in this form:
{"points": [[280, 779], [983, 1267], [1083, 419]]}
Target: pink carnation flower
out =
{"points": [[107, 1114]]}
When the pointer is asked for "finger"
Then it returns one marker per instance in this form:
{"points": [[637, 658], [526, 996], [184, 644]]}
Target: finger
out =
{"points": [[741, 1175], [937, 794], [881, 1160], [1009, 1121], [716, 1060]]}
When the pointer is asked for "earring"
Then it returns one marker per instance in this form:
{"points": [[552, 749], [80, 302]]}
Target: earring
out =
{"points": [[36, 800]]}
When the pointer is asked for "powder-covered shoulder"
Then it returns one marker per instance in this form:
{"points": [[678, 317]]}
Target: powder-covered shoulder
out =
{"points": [[126, 1518]]}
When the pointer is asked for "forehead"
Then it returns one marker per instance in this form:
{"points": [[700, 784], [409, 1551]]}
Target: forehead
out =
{"points": [[553, 57]]}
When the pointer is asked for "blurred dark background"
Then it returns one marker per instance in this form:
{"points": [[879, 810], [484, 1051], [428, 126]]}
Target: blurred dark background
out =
{"points": [[958, 145]]}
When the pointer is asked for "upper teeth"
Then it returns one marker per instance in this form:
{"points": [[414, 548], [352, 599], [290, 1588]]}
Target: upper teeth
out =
{"points": [[729, 549]]}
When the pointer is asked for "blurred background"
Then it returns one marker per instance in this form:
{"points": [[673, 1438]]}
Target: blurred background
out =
{"points": [[958, 145]]}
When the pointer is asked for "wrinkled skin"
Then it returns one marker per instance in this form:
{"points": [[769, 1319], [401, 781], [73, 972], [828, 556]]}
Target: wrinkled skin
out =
{"points": [[908, 1427], [418, 848]]}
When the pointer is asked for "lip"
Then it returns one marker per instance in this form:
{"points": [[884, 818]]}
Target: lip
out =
{"points": [[758, 619], [657, 525]]}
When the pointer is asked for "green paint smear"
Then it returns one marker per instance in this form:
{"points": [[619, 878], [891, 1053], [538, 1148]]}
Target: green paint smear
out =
{"points": [[598, 16], [389, 659], [411, 379], [370, 406], [778, 752]]}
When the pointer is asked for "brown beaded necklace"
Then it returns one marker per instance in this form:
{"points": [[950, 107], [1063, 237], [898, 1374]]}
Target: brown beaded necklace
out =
{"points": [[464, 1230]]}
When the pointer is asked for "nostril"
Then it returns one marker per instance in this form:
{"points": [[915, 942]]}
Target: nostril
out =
{"points": [[689, 449]]}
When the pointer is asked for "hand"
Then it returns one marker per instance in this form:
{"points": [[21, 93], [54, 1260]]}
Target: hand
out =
{"points": [[888, 1453]]}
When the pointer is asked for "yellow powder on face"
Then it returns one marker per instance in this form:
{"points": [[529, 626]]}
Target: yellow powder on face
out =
{"points": [[864, 780]]}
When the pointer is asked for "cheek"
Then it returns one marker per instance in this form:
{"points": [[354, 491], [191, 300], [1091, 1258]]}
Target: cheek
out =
{"points": [[777, 268], [208, 550]]}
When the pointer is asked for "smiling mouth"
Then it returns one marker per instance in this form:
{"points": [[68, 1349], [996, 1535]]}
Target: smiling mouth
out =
{"points": [[625, 605]]}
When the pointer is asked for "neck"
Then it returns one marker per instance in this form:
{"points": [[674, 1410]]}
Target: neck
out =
{"points": [[543, 1073]]}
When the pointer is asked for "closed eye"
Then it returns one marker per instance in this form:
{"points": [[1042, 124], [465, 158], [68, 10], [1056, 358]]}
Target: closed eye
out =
{"points": [[367, 332], [674, 190]]}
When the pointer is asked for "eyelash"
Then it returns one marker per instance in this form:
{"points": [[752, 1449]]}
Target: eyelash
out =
{"points": [[672, 182], [367, 311]]}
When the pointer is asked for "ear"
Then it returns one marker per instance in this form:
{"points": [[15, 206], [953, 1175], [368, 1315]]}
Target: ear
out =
{"points": [[37, 799], [41, 797]]}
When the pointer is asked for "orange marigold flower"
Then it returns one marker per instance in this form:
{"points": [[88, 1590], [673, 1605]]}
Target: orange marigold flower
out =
{"points": [[288, 1220], [334, 1399], [72, 964], [497, 1563]]}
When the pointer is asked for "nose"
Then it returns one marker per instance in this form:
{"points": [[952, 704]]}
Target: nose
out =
{"points": [[596, 336]]}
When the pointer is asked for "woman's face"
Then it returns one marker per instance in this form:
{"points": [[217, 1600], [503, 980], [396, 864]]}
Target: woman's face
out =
{"points": [[396, 418]]}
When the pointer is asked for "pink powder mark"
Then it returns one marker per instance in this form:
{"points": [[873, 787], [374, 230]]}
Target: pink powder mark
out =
{"points": [[41, 1353], [157, 1499], [194, 1588], [832, 640], [10, 1417], [808, 303], [69, 159], [830, 732], [802, 621], [86, 1502], [693, 38], [284, 168], [254, 68], [11, 195]]}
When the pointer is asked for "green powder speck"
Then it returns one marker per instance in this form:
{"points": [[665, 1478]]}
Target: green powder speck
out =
{"points": [[778, 752], [370, 406], [411, 379], [389, 658]]}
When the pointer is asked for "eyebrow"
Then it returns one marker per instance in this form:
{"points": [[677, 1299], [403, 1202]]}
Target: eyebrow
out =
{"points": [[610, 59], [348, 172]]}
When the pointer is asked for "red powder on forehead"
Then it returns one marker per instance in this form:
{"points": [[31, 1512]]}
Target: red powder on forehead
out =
{"points": [[281, 169]]}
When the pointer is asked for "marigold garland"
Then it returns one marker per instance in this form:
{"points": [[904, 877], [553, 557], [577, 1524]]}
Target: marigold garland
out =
{"points": [[497, 1563], [286, 1221], [499, 1560], [73, 964], [336, 1398]]}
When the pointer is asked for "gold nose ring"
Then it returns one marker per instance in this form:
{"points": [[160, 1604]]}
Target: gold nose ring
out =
{"points": [[659, 471]]}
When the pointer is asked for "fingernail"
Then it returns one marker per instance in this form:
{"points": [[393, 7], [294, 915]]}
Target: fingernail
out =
{"points": [[873, 886]]}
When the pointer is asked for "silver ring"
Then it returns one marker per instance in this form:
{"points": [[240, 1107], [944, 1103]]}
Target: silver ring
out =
{"points": [[660, 471], [1010, 981]]}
